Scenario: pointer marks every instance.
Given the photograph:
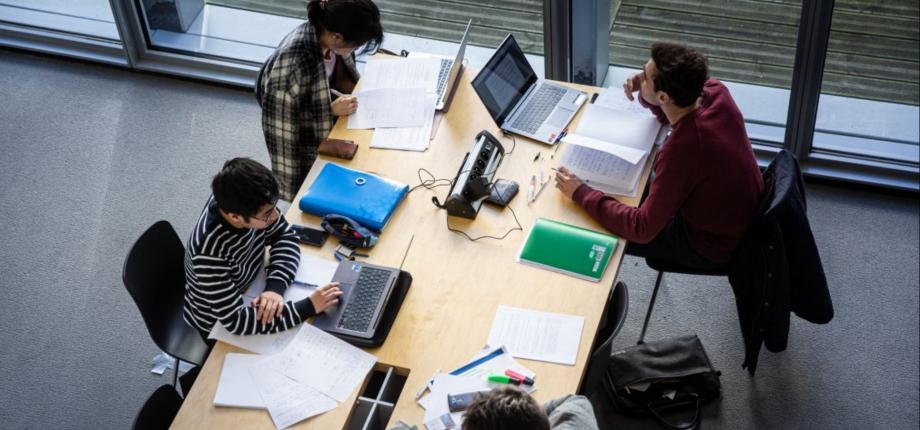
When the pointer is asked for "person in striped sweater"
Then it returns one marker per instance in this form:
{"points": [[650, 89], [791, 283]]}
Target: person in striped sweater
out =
{"points": [[226, 251]]}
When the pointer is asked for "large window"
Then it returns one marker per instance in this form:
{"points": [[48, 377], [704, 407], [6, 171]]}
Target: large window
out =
{"points": [[433, 26], [91, 18], [750, 45], [871, 90], [861, 124]]}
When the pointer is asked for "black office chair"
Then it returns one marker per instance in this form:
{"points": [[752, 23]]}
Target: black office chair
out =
{"points": [[154, 274], [668, 267], [610, 327], [159, 410]]}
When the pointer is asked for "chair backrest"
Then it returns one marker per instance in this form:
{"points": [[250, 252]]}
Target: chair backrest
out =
{"points": [[597, 364], [154, 274], [159, 410]]}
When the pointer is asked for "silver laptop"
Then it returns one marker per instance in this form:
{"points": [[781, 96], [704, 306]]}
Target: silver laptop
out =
{"points": [[366, 290], [450, 70], [521, 103]]}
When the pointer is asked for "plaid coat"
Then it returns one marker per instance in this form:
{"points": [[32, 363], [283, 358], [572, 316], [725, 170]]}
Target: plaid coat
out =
{"points": [[293, 91]]}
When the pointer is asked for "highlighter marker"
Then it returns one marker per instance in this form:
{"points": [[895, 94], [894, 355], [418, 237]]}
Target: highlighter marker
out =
{"points": [[524, 380], [502, 379]]}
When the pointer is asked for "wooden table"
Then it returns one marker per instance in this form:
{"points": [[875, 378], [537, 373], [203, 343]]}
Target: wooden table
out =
{"points": [[458, 284]]}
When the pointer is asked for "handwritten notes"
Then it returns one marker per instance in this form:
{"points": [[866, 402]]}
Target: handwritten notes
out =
{"points": [[323, 362], [288, 401]]}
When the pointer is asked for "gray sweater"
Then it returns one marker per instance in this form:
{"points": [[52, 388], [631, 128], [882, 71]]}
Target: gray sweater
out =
{"points": [[571, 412]]}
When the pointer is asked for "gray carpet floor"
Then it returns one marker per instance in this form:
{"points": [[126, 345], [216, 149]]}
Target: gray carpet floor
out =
{"points": [[92, 155]]}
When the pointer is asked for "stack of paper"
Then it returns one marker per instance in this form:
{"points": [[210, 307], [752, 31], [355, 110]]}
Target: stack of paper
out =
{"points": [[472, 376], [310, 376], [398, 99], [295, 374], [613, 140]]}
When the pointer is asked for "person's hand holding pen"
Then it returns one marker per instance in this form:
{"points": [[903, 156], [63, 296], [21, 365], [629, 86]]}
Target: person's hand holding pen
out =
{"points": [[344, 105], [567, 182]]}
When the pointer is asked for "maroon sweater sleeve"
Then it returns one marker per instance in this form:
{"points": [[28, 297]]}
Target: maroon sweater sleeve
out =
{"points": [[672, 185], [662, 118]]}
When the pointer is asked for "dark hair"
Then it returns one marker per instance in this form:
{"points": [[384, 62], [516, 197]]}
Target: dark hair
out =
{"points": [[682, 71], [505, 409], [243, 186], [358, 21]]}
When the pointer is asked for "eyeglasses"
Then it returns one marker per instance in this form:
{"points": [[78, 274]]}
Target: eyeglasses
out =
{"points": [[267, 218]]}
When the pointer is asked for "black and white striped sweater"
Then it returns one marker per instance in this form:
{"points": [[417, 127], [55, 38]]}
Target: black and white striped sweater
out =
{"points": [[221, 261]]}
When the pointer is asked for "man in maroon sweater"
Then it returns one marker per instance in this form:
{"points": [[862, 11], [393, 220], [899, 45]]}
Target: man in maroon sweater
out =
{"points": [[707, 185]]}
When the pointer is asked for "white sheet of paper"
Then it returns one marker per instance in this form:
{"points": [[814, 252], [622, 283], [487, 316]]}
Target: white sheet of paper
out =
{"points": [[602, 170], [402, 73], [236, 387], [311, 273], [388, 107], [288, 401], [613, 97], [324, 362], [628, 154], [264, 344], [408, 138], [537, 335], [619, 128]]}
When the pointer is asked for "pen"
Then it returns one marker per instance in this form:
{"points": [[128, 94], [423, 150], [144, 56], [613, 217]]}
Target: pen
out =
{"points": [[540, 190], [531, 188], [542, 177], [336, 92], [305, 284], [524, 380], [561, 135], [502, 379]]}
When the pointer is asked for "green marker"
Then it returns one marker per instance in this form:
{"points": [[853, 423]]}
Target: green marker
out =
{"points": [[502, 379]]}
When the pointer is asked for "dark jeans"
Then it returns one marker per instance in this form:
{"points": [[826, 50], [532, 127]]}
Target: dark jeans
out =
{"points": [[672, 246]]}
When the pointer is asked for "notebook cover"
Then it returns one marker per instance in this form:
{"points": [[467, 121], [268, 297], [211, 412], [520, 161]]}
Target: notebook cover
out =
{"points": [[366, 198], [568, 249]]}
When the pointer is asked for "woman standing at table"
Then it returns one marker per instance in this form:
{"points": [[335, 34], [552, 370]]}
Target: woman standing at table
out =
{"points": [[295, 85]]}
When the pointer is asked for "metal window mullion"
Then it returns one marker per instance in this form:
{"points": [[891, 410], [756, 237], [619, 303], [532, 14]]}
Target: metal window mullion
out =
{"points": [[557, 35], [130, 29], [810, 53]]}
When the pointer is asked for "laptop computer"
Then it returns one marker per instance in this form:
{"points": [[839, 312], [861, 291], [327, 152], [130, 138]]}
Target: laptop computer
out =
{"points": [[450, 71], [521, 103], [366, 290]]}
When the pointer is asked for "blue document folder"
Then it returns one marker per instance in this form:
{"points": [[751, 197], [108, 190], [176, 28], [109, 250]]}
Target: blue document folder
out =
{"points": [[363, 197]]}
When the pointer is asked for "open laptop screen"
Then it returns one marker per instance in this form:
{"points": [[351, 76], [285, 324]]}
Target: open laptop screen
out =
{"points": [[504, 79]]}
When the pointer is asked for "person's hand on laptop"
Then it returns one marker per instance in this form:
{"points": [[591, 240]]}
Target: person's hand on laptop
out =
{"points": [[325, 296], [269, 305], [345, 105], [567, 182]]}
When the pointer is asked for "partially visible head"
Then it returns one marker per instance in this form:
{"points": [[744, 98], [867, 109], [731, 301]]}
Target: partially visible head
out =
{"points": [[677, 71], [505, 409], [246, 191], [348, 24]]}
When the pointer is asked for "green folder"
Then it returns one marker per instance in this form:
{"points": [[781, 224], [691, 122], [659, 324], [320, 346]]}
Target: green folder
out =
{"points": [[568, 249]]}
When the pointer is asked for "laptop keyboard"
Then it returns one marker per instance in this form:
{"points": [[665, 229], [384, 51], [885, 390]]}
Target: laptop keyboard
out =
{"points": [[443, 74], [538, 108], [359, 311]]}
